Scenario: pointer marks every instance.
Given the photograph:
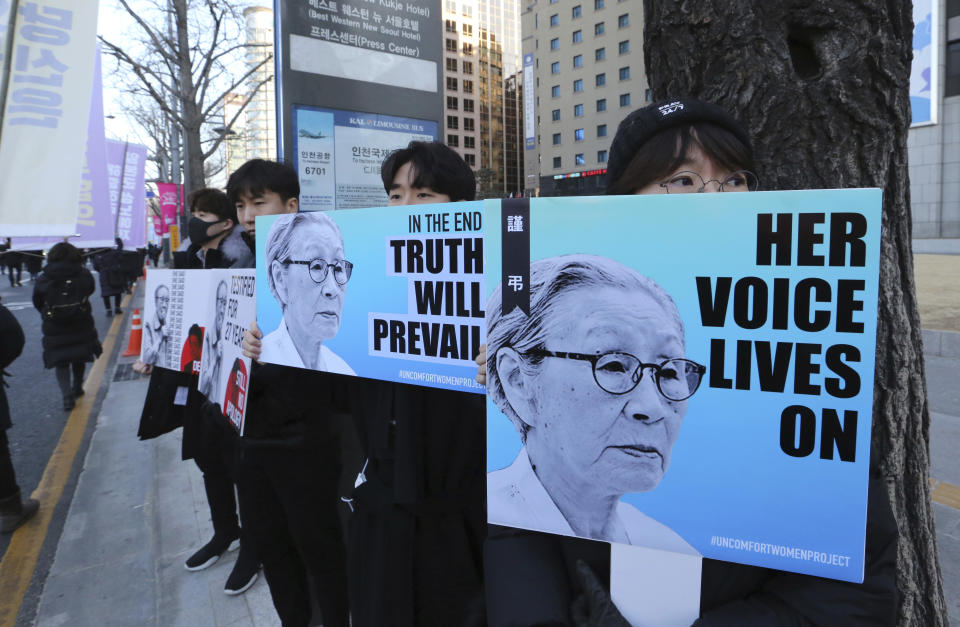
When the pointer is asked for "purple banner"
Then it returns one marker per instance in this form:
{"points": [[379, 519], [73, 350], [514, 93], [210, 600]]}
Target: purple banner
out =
{"points": [[125, 174]]}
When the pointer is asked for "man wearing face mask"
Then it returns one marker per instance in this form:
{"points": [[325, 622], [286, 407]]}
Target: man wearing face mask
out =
{"points": [[215, 239]]}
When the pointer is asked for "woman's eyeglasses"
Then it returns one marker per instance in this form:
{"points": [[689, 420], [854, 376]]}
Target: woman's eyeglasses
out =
{"points": [[687, 182], [318, 269], [619, 373]]}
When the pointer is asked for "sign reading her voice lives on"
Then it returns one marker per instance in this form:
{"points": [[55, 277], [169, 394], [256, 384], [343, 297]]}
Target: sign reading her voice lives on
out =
{"points": [[394, 293], [691, 373]]}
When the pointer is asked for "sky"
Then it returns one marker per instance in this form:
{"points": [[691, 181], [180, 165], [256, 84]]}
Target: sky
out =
{"points": [[113, 19]]}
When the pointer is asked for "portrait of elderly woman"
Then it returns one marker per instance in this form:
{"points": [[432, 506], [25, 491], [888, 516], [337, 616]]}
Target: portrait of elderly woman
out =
{"points": [[597, 383], [307, 275]]}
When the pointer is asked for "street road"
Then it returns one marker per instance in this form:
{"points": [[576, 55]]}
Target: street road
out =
{"points": [[35, 402]]}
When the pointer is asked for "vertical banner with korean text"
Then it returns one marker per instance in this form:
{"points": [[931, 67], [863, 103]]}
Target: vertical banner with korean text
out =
{"points": [[125, 174], [45, 120]]}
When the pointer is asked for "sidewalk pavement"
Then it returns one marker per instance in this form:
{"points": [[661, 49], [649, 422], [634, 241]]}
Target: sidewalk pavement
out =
{"points": [[139, 512]]}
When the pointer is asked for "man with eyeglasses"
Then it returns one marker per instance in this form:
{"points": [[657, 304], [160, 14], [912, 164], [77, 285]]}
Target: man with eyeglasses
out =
{"points": [[308, 275], [155, 336]]}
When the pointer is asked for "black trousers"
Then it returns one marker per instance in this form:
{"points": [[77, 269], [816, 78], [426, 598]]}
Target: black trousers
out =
{"points": [[8, 480], [67, 389], [289, 499], [116, 302], [216, 460], [15, 267]]}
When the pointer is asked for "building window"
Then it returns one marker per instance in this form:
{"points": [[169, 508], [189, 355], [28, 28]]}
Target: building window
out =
{"points": [[556, 139], [452, 83], [453, 122], [556, 162], [601, 130], [451, 6], [450, 25], [598, 28], [452, 102], [601, 80], [555, 43], [601, 105], [624, 100], [578, 135], [453, 140], [577, 36], [451, 65], [468, 67], [467, 48], [623, 21], [555, 91], [601, 156], [578, 110], [468, 124], [468, 105], [555, 19], [468, 29], [578, 60], [470, 159], [648, 95], [600, 54], [624, 47], [579, 159], [555, 67], [467, 87], [451, 45], [576, 12], [469, 142], [597, 5], [625, 73], [555, 115], [578, 85]]}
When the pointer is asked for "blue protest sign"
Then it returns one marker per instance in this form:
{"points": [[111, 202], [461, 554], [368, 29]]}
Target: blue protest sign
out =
{"points": [[694, 374]]}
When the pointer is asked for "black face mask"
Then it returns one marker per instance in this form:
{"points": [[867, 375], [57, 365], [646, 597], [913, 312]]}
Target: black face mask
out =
{"points": [[197, 229]]}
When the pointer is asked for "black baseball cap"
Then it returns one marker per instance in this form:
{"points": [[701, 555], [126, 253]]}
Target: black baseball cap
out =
{"points": [[638, 127]]}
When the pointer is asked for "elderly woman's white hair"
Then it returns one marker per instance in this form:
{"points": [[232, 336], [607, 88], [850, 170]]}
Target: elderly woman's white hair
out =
{"points": [[549, 279], [280, 239]]}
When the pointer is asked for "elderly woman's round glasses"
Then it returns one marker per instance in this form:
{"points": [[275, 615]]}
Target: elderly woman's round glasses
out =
{"points": [[619, 373], [318, 269], [687, 182]]}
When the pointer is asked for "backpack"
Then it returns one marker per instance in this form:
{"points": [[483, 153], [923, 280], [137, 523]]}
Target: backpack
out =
{"points": [[64, 303]]}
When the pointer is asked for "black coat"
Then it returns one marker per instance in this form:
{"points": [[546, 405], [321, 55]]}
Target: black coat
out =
{"points": [[112, 280], [73, 341], [11, 344], [416, 534]]}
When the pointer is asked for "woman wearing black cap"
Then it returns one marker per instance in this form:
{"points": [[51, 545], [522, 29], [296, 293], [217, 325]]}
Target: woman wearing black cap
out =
{"points": [[682, 146]]}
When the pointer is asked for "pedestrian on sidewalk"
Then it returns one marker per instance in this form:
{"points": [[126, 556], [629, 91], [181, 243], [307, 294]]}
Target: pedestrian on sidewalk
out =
{"points": [[62, 296], [112, 279], [14, 511], [13, 263]]}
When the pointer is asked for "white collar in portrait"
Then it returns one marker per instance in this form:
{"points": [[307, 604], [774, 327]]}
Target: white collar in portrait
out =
{"points": [[516, 498], [278, 348]]}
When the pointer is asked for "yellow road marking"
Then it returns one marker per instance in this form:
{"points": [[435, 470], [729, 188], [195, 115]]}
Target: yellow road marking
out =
{"points": [[20, 560], [946, 494]]}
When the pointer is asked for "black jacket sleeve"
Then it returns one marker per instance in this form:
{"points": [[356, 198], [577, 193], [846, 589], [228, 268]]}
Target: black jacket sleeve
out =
{"points": [[11, 338]]}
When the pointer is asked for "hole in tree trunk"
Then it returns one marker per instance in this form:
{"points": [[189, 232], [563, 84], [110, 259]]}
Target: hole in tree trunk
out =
{"points": [[803, 55]]}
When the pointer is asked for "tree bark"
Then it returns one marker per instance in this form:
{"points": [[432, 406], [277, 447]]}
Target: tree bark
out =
{"points": [[822, 86]]}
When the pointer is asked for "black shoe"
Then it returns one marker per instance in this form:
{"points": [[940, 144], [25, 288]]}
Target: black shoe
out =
{"points": [[109, 313], [244, 574], [78, 392], [119, 311], [69, 402], [14, 512], [208, 554]]}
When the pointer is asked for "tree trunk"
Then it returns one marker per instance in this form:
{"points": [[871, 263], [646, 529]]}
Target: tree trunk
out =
{"points": [[189, 109], [822, 86]]}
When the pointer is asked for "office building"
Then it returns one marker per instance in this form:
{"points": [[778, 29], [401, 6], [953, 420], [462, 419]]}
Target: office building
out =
{"points": [[588, 75]]}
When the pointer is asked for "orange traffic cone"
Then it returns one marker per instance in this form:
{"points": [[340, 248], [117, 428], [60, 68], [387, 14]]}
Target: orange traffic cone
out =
{"points": [[144, 271], [136, 335]]}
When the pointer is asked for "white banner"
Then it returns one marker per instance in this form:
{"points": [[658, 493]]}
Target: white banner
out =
{"points": [[44, 128]]}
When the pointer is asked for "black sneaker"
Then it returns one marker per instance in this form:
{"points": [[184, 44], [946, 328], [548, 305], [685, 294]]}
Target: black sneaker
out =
{"points": [[244, 574], [109, 313], [208, 554]]}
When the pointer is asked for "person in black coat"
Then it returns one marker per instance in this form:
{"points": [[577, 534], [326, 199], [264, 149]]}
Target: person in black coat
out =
{"points": [[61, 295], [112, 279], [13, 511]]}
